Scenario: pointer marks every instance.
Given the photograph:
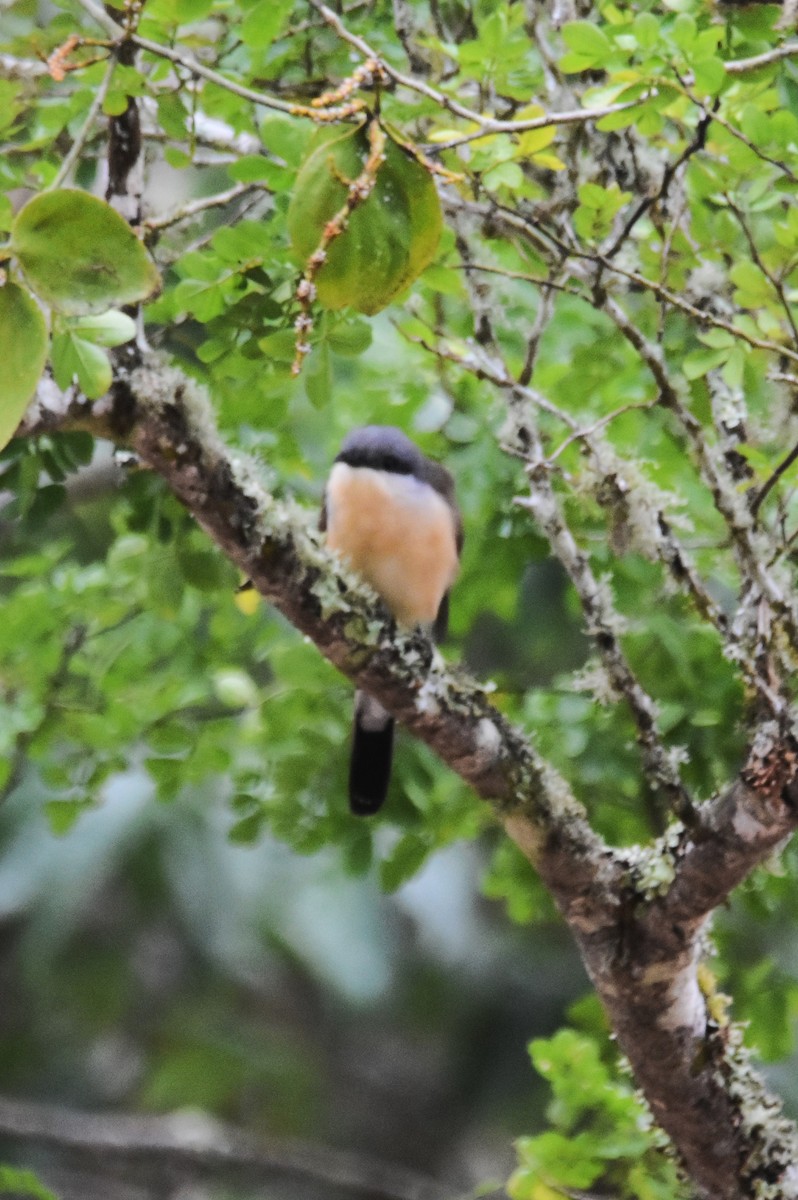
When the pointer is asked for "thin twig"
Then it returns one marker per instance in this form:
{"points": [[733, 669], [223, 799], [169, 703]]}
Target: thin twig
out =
{"points": [[538, 238], [582, 435], [184, 59], [84, 133], [698, 143], [306, 26], [479, 364], [539, 325], [741, 66], [741, 137], [602, 621], [487, 125], [539, 280], [699, 314], [769, 484], [408, 81], [730, 506], [577, 116], [774, 282], [73, 643], [193, 207]]}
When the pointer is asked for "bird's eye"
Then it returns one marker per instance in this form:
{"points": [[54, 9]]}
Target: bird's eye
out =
{"points": [[391, 462]]}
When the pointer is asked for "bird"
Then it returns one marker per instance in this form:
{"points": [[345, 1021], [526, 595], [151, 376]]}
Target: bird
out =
{"points": [[390, 512]]}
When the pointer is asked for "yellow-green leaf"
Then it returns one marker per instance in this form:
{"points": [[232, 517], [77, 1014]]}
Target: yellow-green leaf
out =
{"points": [[23, 353], [79, 255]]}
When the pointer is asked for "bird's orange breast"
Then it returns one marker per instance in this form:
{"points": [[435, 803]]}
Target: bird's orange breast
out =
{"points": [[398, 533]]}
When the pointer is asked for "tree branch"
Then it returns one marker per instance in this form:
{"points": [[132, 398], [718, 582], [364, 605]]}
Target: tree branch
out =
{"points": [[186, 1146], [637, 914], [163, 416]]}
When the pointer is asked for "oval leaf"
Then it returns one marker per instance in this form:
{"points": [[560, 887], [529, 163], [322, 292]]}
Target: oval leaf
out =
{"points": [[79, 255], [112, 328], [23, 353], [75, 358], [389, 238]]}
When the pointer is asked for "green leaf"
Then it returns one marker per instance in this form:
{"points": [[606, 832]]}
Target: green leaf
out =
{"points": [[493, 33], [262, 24], [115, 104], [285, 139], [15, 1180], [444, 280], [177, 158], [79, 255], [684, 31], [533, 140], [734, 368], [235, 688], [405, 859], [61, 816], [350, 339], [710, 76], [506, 174], [753, 288], [23, 353], [718, 339], [318, 376], [646, 28], [255, 168], [587, 40], [701, 361], [571, 1162], [172, 115], [112, 328], [75, 358], [246, 830], [280, 345]]}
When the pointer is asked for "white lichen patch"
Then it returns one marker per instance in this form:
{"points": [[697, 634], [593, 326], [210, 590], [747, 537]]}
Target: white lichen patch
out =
{"points": [[707, 285], [652, 869], [637, 503], [728, 405], [429, 695], [333, 571], [557, 793], [191, 1129], [51, 400], [609, 616], [157, 385], [770, 1139], [766, 741], [488, 738], [676, 757], [746, 826], [255, 481], [594, 679]]}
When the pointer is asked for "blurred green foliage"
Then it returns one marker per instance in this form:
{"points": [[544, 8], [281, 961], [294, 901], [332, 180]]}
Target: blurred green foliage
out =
{"points": [[601, 1135]]}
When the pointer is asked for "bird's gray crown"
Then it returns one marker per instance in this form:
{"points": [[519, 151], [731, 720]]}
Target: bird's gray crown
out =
{"points": [[383, 448], [386, 448]]}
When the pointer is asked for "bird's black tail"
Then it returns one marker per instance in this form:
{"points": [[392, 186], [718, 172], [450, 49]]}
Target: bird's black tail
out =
{"points": [[372, 751]]}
